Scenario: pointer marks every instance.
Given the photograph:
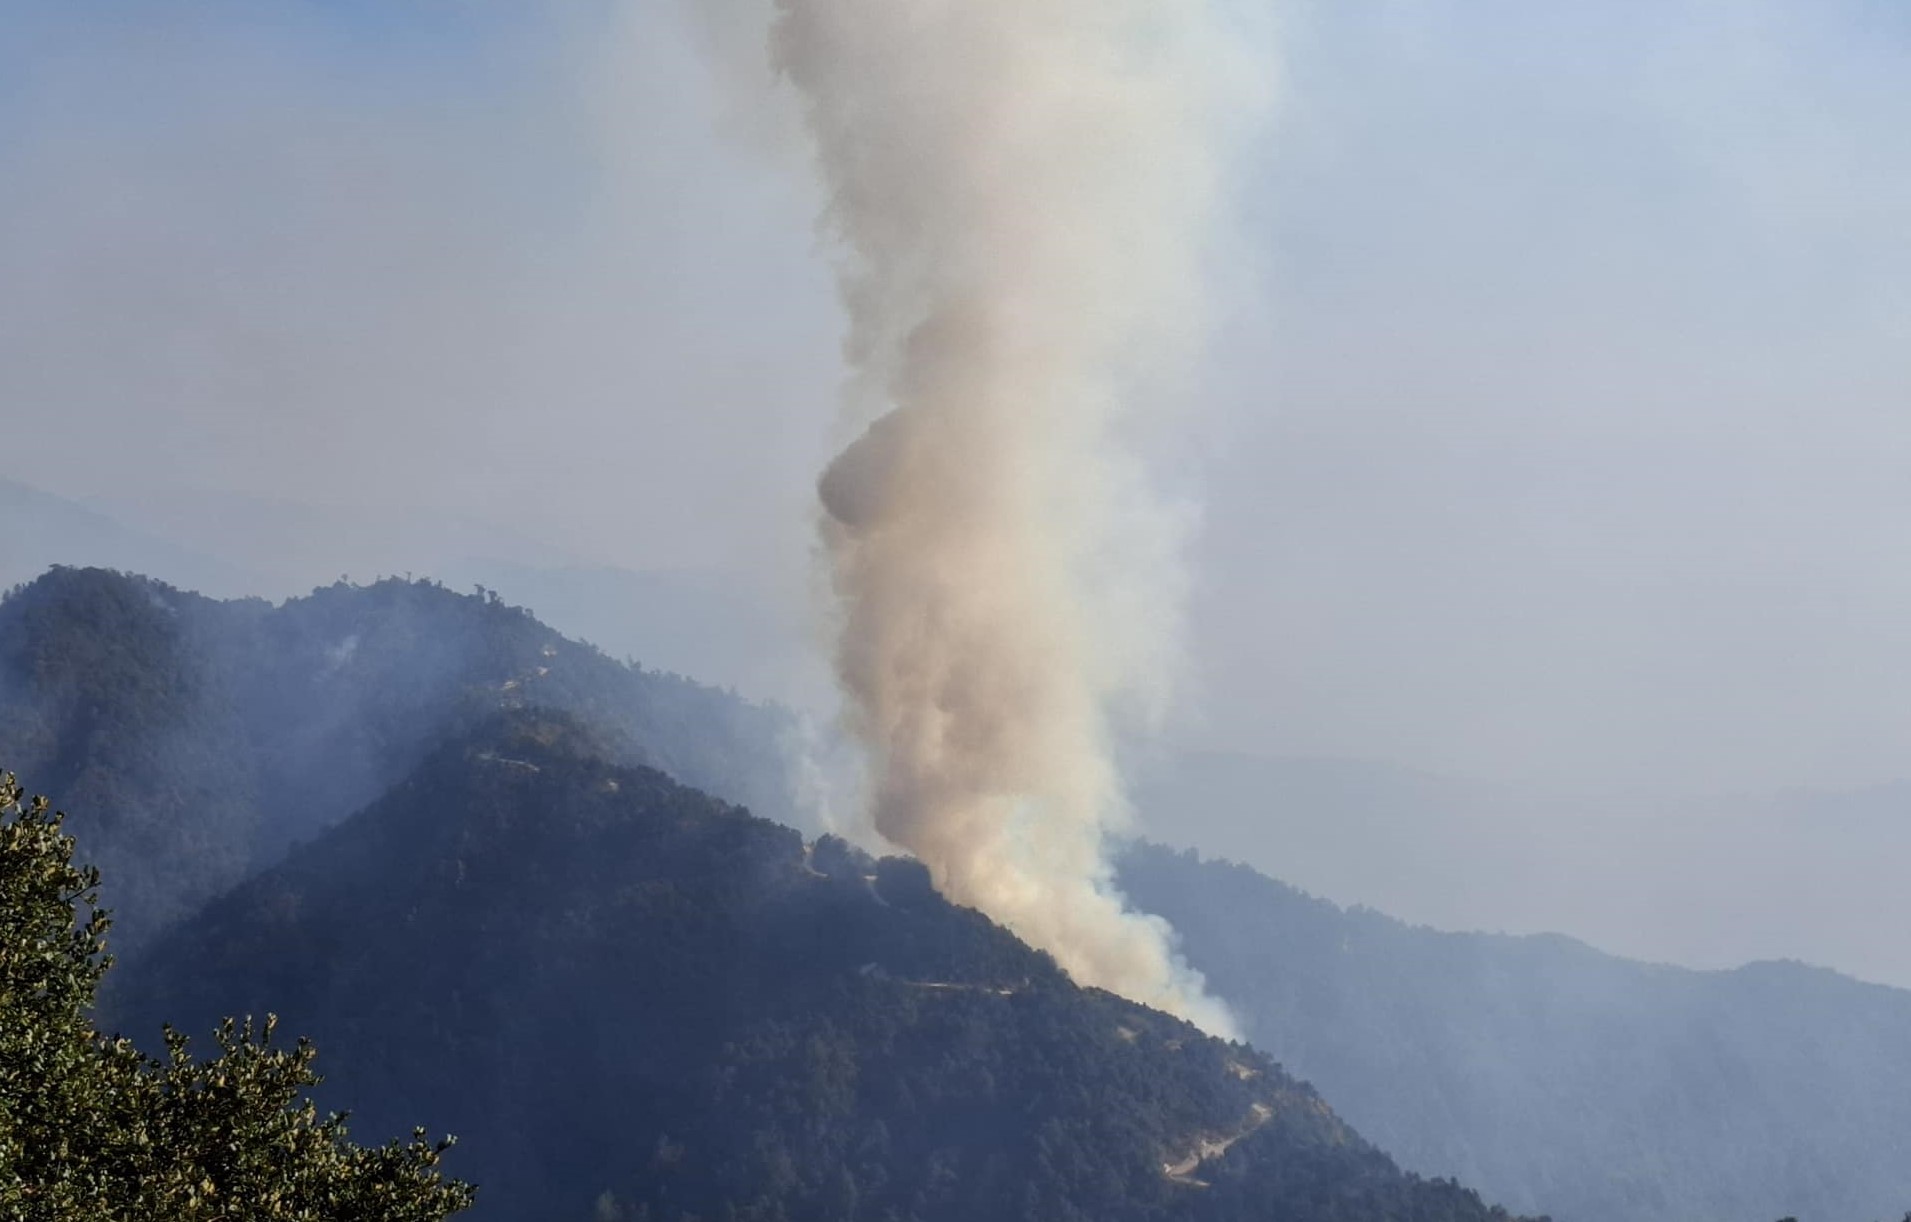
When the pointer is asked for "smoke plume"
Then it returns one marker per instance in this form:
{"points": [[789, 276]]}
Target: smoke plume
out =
{"points": [[1018, 188]]}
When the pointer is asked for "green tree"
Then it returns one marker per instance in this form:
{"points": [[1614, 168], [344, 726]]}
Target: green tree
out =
{"points": [[91, 1128]]}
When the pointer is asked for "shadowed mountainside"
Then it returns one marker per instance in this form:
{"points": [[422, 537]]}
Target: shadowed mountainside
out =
{"points": [[634, 1001]]}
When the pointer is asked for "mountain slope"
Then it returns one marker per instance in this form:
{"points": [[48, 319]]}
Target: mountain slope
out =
{"points": [[633, 1001], [197, 739], [1555, 1077]]}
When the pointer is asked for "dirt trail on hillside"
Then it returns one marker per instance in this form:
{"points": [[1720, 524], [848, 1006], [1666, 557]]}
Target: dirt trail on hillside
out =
{"points": [[1205, 1148]]}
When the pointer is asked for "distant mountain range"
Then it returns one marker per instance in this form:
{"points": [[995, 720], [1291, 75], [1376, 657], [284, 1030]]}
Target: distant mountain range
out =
{"points": [[440, 837], [1687, 879], [715, 624], [1553, 1077], [39, 530]]}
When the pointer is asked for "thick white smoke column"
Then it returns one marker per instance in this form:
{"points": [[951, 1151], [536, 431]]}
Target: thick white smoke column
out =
{"points": [[1020, 187]]}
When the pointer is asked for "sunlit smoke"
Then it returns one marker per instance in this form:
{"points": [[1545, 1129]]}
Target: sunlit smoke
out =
{"points": [[1019, 189]]}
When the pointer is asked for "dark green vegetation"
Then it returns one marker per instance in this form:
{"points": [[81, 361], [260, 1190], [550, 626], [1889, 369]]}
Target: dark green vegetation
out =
{"points": [[91, 1129], [1557, 1078], [632, 1000], [195, 740]]}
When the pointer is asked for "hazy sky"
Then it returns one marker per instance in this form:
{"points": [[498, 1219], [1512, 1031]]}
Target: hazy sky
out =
{"points": [[1558, 431]]}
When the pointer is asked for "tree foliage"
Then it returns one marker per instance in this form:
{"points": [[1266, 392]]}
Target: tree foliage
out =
{"points": [[91, 1128]]}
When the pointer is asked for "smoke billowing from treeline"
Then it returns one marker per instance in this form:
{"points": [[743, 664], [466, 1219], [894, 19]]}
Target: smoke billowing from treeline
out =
{"points": [[1020, 189]]}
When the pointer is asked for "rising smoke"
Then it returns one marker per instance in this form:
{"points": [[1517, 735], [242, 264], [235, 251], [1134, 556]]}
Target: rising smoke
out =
{"points": [[1019, 188]]}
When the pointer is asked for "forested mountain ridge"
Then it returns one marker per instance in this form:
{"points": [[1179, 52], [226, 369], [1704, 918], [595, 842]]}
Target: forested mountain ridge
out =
{"points": [[1552, 1076], [632, 1000], [196, 739]]}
